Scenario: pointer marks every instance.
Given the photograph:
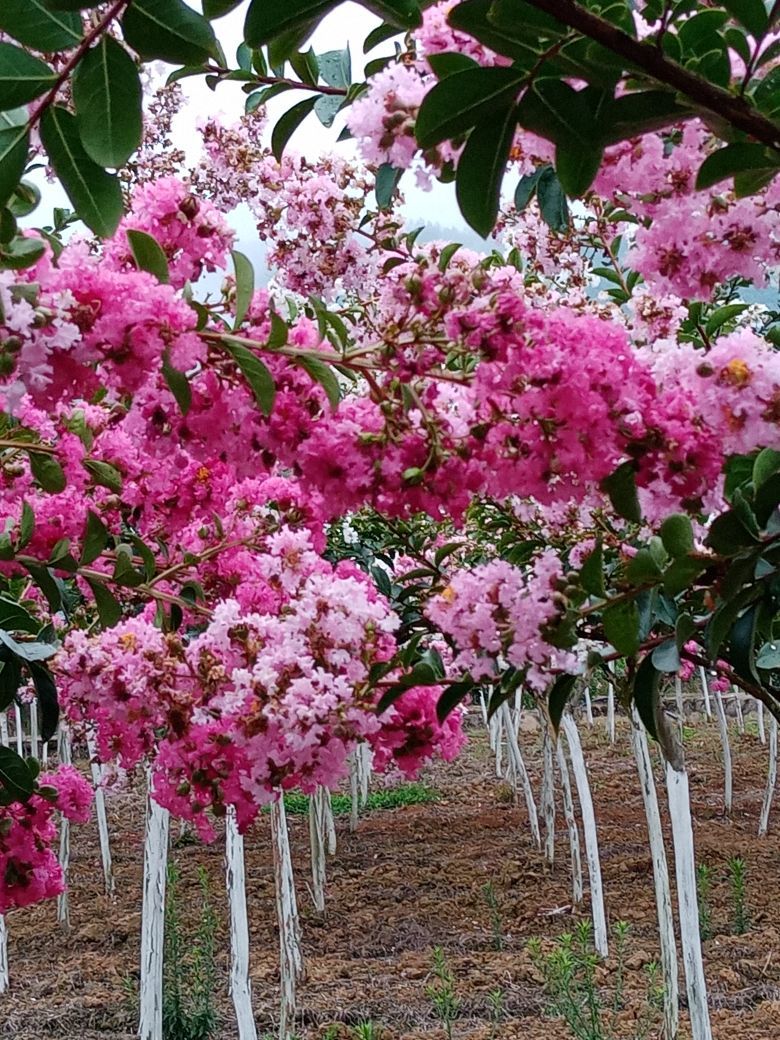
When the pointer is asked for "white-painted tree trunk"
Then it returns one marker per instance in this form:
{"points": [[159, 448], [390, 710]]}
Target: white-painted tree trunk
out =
{"points": [[588, 706], [354, 791], [680, 703], [571, 824], [4, 973], [548, 797], [663, 895], [738, 707], [520, 773], [35, 750], [63, 903], [317, 845], [771, 780], [587, 812], [723, 729], [100, 812], [484, 712], [4, 739], [705, 689], [329, 821], [685, 868], [365, 763], [19, 730], [235, 879], [153, 921], [611, 712], [496, 739], [290, 954], [760, 718]]}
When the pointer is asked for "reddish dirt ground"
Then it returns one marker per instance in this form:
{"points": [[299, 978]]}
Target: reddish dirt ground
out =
{"points": [[411, 879]]}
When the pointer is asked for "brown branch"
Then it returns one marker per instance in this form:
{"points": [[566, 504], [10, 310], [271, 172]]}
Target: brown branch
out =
{"points": [[646, 56], [97, 30], [293, 84]]}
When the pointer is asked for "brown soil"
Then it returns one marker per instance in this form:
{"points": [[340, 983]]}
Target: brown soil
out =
{"points": [[408, 880]]}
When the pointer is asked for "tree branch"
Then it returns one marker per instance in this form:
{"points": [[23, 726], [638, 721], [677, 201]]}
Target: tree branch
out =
{"points": [[735, 110]]}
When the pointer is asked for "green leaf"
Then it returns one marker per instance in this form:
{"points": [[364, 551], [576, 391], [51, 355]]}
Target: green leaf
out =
{"points": [[96, 195], [26, 525], [46, 693], [94, 540], [22, 252], [218, 8], [47, 471], [288, 124], [643, 568], [750, 13], [576, 167], [125, 573], [621, 488], [452, 695], [768, 657], [387, 180], [322, 373], [148, 255], [104, 473], [728, 534], [666, 657], [646, 695], [279, 332], [558, 698], [447, 254], [742, 644], [636, 113], [48, 585], [168, 30], [481, 170], [734, 159], [245, 285], [722, 315], [268, 19], [336, 68], [592, 572], [327, 107], [526, 187], [22, 77], [766, 465], [31, 23], [403, 13], [463, 100], [681, 573], [255, 372], [14, 148], [15, 777], [449, 62], [108, 607], [14, 618], [621, 626], [552, 200], [677, 534], [107, 97]]}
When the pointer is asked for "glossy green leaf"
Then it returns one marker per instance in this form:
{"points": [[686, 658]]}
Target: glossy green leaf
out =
{"points": [[728, 534], [47, 471], [46, 695], [148, 255], [15, 777], [267, 19], [735, 159], [255, 372], [33, 24], [22, 252], [327, 107], [666, 657], [558, 698], [449, 62], [168, 30], [218, 8], [527, 186], [336, 68], [481, 170], [403, 13], [288, 124], [104, 473], [552, 200], [621, 626], [645, 695], [322, 373], [464, 100], [95, 539], [107, 97], [387, 180], [96, 195], [750, 13], [14, 148], [576, 167], [452, 695], [677, 534], [22, 76], [108, 606], [621, 488], [245, 285], [592, 572]]}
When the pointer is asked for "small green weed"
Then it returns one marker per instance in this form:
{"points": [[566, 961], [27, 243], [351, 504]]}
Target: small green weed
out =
{"points": [[390, 798], [496, 922], [738, 886], [704, 894], [441, 992], [189, 972]]}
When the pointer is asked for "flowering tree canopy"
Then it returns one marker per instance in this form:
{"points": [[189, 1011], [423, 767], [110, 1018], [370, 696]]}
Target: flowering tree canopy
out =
{"points": [[246, 529]]}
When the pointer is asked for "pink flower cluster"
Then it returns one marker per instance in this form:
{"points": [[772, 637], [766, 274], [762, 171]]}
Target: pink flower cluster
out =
{"points": [[497, 614], [29, 868], [257, 701]]}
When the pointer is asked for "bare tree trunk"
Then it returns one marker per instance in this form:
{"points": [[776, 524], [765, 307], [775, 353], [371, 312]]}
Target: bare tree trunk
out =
{"points": [[548, 797], [153, 921], [571, 824], [520, 772], [290, 954]]}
